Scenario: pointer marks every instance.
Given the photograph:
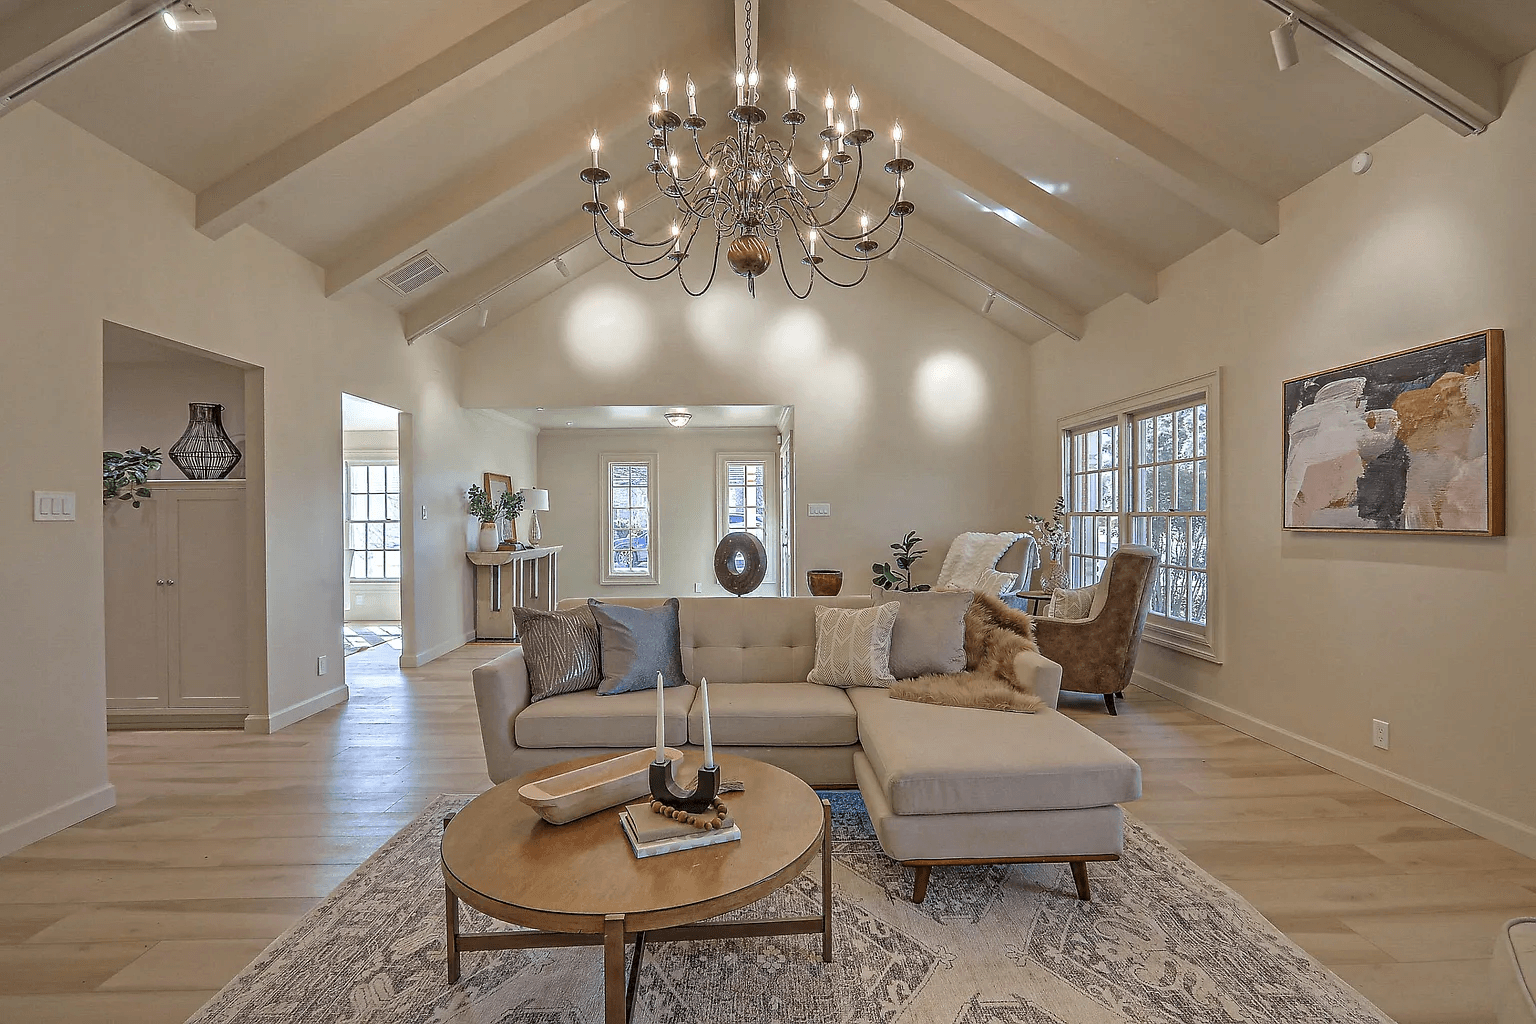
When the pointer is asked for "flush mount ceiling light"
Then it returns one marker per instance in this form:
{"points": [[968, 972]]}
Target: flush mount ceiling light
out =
{"points": [[749, 194], [183, 17], [679, 417]]}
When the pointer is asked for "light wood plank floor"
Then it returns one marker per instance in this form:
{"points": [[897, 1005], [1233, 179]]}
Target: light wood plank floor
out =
{"points": [[221, 840]]}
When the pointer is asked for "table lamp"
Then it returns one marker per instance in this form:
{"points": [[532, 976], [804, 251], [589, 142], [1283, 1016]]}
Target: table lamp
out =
{"points": [[536, 500]]}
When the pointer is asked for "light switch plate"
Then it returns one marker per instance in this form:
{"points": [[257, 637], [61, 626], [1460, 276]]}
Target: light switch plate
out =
{"points": [[53, 506], [322, 665], [819, 508]]}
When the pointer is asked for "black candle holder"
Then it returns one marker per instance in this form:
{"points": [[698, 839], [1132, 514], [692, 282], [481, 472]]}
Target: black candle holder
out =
{"points": [[664, 788]]}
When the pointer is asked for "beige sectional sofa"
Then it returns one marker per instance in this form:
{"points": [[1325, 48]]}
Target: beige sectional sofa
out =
{"points": [[943, 785]]}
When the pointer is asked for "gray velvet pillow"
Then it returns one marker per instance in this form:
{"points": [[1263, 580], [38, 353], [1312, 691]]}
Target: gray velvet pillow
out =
{"points": [[560, 650], [929, 638], [637, 643]]}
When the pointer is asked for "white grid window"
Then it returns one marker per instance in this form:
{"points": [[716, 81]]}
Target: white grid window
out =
{"points": [[1093, 488], [745, 500], [1143, 470], [629, 528], [373, 521], [1170, 469]]}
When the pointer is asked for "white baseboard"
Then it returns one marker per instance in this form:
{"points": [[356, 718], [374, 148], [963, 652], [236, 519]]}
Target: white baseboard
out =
{"points": [[265, 724], [56, 818], [1480, 820], [420, 658]]}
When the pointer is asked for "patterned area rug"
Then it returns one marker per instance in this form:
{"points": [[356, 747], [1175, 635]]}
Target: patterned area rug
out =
{"points": [[364, 637], [1161, 943]]}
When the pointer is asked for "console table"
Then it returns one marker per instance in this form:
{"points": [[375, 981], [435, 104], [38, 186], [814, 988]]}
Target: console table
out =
{"points": [[497, 592]]}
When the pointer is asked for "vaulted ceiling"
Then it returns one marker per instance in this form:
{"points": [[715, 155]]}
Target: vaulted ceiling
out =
{"points": [[1067, 152]]}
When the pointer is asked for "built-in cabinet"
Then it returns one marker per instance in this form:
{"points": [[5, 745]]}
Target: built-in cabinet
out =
{"points": [[176, 606]]}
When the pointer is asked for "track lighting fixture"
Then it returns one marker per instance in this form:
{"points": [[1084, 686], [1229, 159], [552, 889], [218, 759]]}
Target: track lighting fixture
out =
{"points": [[1283, 38], [565, 271], [986, 307], [183, 17], [485, 316]]}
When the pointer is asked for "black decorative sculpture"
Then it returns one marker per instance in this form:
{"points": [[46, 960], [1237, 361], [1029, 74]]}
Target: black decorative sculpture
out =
{"points": [[664, 788], [204, 451], [741, 562]]}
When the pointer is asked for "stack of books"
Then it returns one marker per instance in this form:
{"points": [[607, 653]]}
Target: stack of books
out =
{"points": [[650, 834]]}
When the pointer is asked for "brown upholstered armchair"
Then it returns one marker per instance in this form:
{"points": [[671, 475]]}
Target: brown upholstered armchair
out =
{"points": [[1098, 654]]}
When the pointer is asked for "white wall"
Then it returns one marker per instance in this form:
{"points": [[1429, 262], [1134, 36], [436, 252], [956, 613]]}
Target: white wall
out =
{"points": [[909, 409], [1326, 632], [146, 404], [684, 493], [88, 236]]}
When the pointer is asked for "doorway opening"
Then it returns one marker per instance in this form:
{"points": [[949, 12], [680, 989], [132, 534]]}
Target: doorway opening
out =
{"points": [[372, 561]]}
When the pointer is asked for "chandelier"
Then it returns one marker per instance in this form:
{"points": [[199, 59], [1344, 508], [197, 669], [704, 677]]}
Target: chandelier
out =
{"points": [[750, 194]]}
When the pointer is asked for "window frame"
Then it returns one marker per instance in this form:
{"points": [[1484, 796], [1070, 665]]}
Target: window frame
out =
{"points": [[770, 511], [1205, 643], [362, 460], [606, 576]]}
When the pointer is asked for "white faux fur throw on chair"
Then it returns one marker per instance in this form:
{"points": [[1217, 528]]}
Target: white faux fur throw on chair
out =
{"points": [[971, 557]]}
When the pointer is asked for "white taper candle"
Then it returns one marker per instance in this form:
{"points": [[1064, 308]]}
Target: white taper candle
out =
{"points": [[661, 723], [709, 743]]}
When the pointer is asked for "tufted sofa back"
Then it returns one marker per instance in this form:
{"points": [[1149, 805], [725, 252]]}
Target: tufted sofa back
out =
{"points": [[745, 639]]}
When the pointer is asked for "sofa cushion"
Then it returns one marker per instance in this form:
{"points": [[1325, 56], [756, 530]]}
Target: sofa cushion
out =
{"points": [[853, 646], [588, 719], [560, 650], [941, 760], [775, 715], [638, 646]]}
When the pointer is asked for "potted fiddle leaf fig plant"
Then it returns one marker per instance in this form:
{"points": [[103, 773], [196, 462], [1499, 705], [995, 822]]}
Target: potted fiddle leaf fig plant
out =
{"points": [[899, 576], [124, 474]]}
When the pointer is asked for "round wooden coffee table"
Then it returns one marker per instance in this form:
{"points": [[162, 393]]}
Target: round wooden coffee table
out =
{"points": [[580, 884]]}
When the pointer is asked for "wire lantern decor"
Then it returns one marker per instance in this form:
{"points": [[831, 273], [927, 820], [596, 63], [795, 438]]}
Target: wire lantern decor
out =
{"points": [[755, 194]]}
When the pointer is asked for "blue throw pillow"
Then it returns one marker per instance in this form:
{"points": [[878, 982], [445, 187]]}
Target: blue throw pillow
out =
{"points": [[637, 643]]}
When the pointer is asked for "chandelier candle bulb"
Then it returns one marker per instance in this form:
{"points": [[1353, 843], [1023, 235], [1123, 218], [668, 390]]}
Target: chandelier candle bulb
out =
{"points": [[662, 87], [621, 211], [596, 145], [741, 89], [812, 237], [791, 88], [677, 238], [853, 108], [693, 101], [896, 138], [661, 723], [864, 225], [842, 130], [831, 109]]}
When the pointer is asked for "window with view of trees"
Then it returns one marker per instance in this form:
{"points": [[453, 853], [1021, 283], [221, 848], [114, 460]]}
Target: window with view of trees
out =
{"points": [[373, 521], [1141, 471], [745, 500], [630, 525]]}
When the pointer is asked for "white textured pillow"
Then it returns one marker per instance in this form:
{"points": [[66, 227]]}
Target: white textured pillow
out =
{"points": [[1070, 604], [853, 646], [994, 583], [970, 557]]}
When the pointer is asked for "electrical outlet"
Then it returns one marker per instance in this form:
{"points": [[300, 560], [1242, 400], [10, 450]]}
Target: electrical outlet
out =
{"points": [[321, 665], [1379, 736], [819, 508]]}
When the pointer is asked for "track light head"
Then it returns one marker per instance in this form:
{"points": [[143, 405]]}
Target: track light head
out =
{"points": [[560, 266], [485, 316], [183, 17], [1283, 38]]}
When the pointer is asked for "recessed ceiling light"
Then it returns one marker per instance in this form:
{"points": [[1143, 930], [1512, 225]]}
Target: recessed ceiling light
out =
{"points": [[679, 417]]}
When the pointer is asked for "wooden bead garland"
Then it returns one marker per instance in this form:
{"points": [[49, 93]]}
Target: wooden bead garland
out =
{"points": [[699, 821]]}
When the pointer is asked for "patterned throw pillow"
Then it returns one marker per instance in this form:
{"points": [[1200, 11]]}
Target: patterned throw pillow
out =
{"points": [[560, 650], [994, 583], [853, 646], [1070, 604]]}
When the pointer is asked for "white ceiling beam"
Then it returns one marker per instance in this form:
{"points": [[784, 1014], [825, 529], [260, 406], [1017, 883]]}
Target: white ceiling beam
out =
{"points": [[1044, 305], [38, 37], [518, 261], [529, 157], [1117, 129], [226, 204], [1448, 69], [1112, 257]]}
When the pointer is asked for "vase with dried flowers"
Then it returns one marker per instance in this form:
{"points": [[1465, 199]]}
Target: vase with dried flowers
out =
{"points": [[1052, 536]]}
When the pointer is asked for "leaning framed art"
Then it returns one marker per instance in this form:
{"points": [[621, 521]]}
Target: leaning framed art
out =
{"points": [[1411, 442]]}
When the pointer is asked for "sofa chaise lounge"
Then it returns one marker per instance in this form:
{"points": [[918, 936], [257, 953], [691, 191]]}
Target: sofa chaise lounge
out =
{"points": [[943, 785]]}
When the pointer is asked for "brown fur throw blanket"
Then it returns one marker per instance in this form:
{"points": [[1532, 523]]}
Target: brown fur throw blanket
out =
{"points": [[994, 636]]}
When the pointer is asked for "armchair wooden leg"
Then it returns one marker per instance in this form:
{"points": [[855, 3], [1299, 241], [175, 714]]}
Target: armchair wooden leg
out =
{"points": [[1109, 702], [920, 882], [1080, 876]]}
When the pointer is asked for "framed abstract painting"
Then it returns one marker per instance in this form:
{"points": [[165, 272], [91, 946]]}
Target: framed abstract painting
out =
{"points": [[1411, 442]]}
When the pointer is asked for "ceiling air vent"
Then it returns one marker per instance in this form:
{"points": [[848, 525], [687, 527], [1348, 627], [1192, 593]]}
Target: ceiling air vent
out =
{"points": [[414, 272]]}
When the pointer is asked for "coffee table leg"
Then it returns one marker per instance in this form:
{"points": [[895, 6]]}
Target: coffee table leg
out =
{"points": [[634, 976], [613, 969], [826, 881], [453, 935]]}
